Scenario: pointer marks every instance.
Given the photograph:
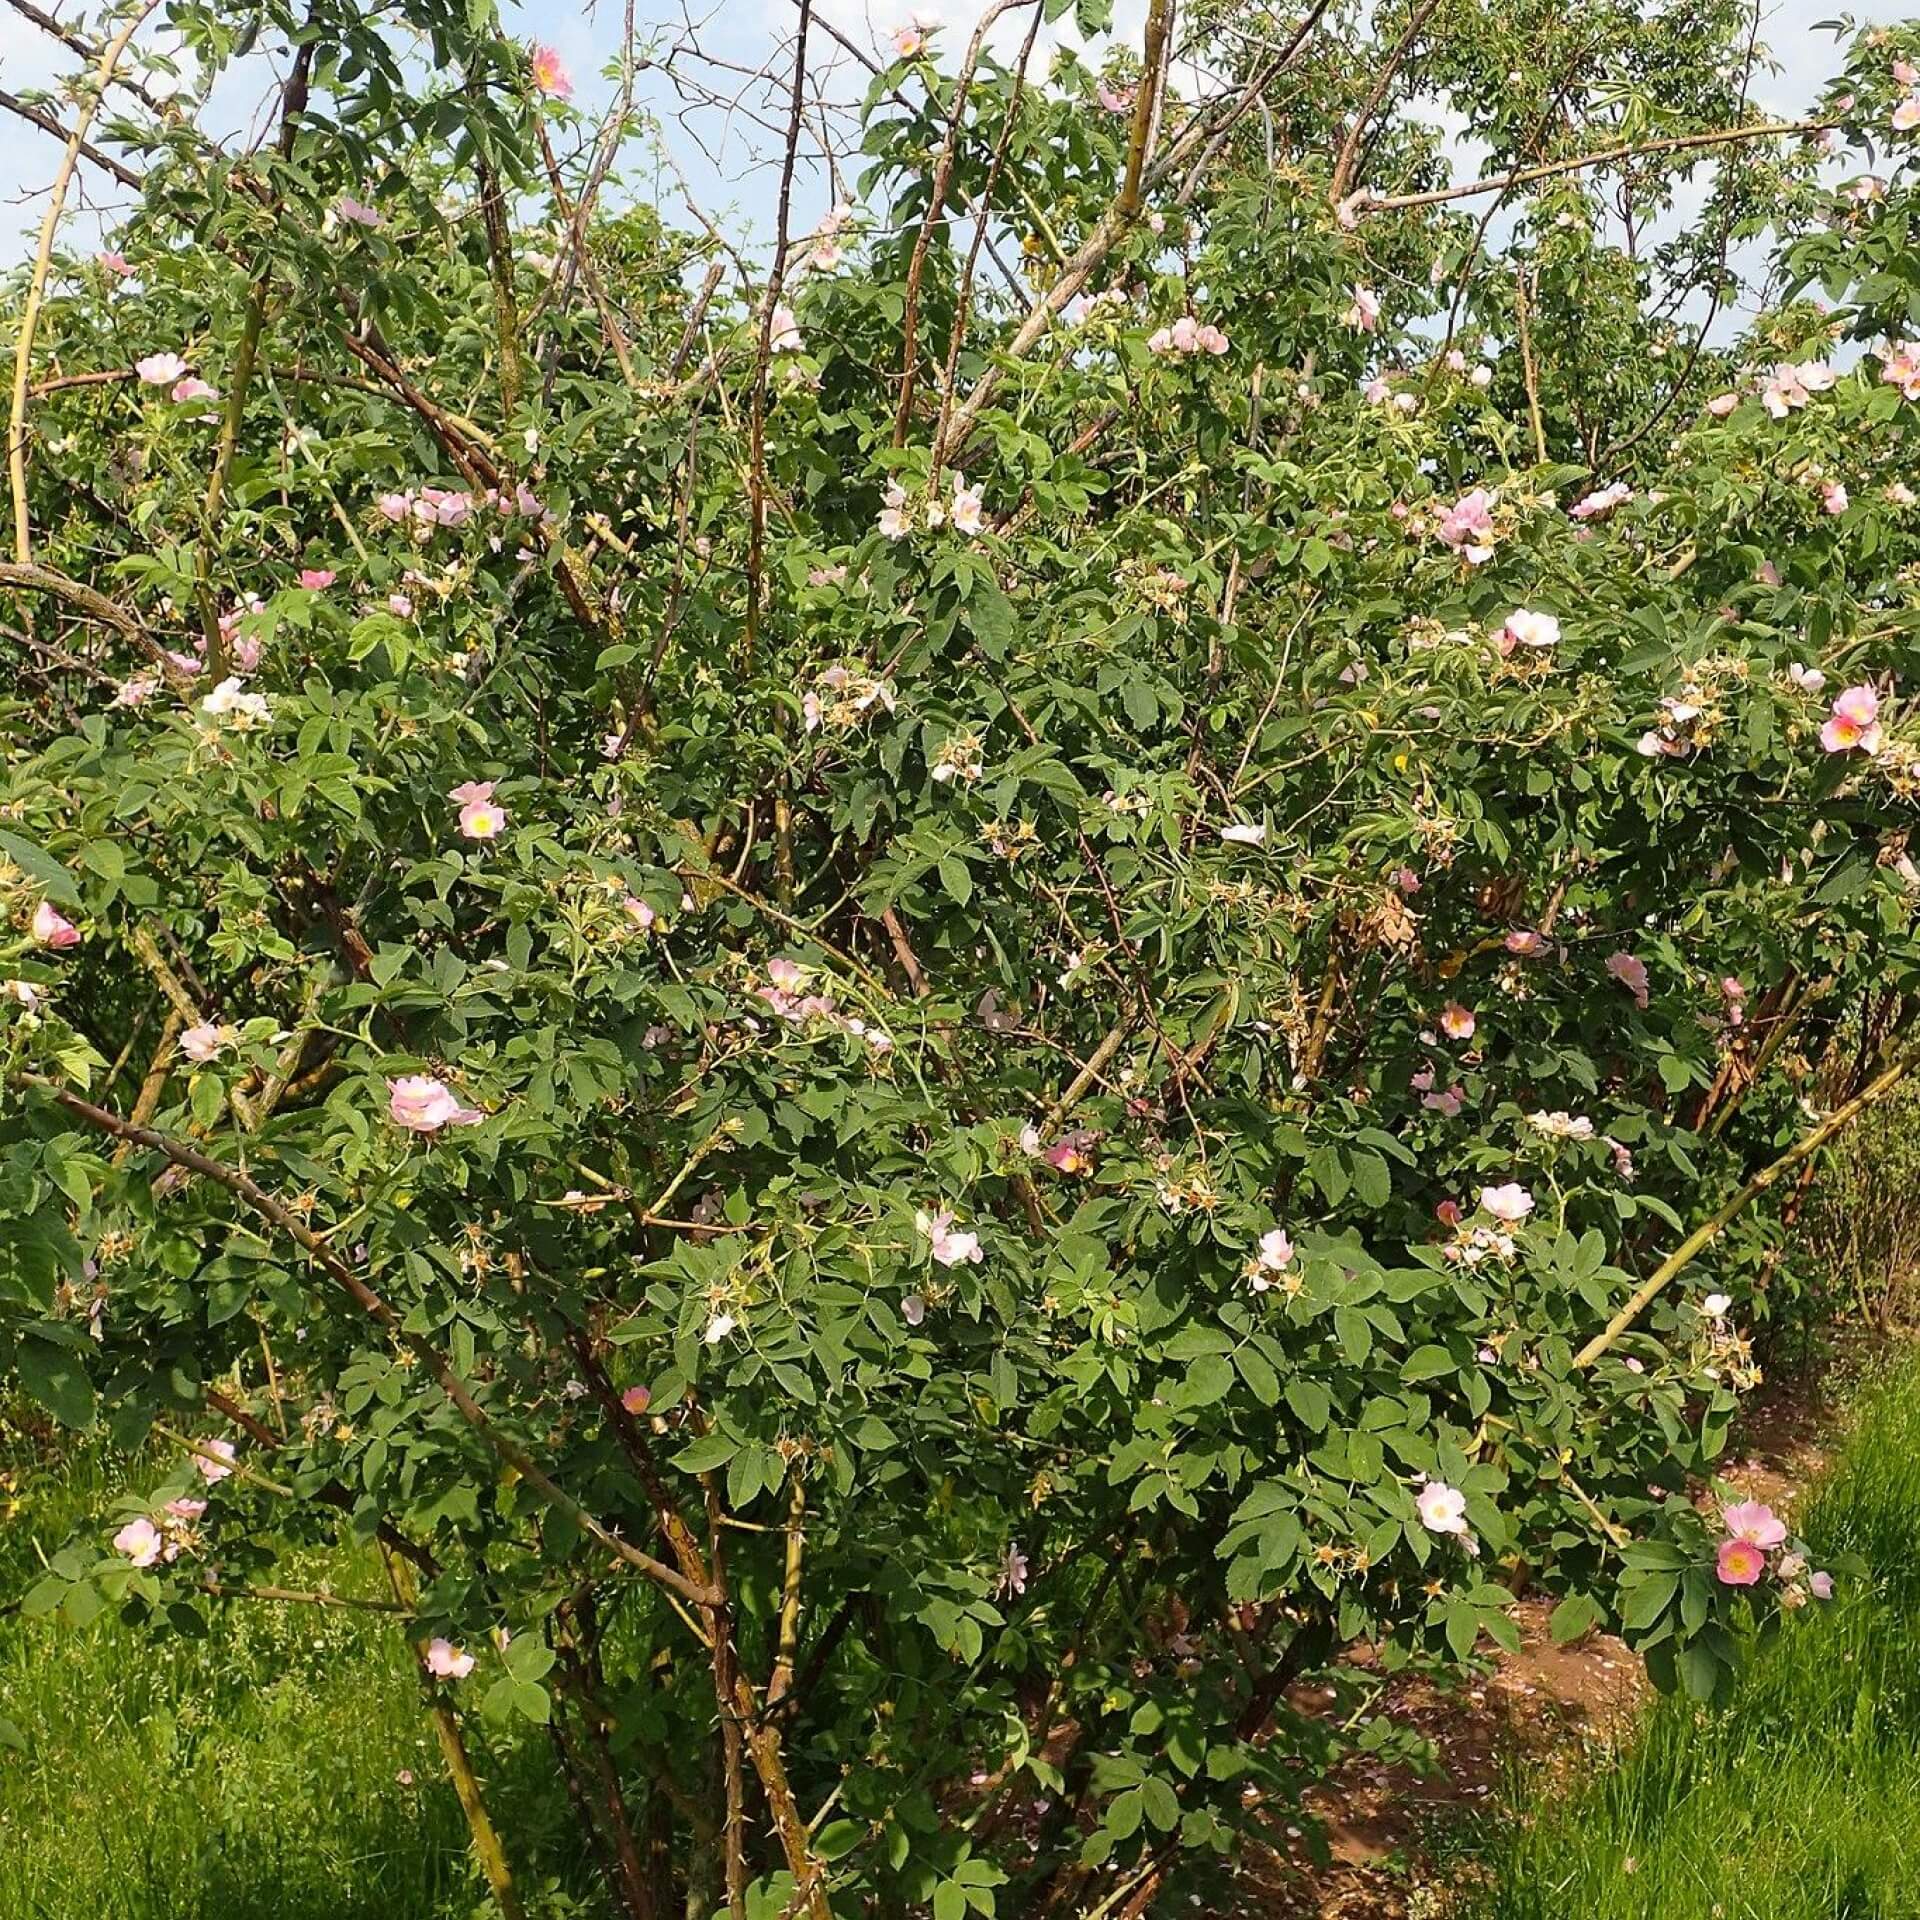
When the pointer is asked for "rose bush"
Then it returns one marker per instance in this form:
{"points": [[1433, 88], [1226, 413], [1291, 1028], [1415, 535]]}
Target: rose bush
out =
{"points": [[926, 1026]]}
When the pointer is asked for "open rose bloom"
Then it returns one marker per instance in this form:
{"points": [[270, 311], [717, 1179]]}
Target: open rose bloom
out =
{"points": [[424, 1105], [1854, 724]]}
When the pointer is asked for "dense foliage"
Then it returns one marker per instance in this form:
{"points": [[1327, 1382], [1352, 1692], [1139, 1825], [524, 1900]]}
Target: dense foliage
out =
{"points": [[933, 1004]]}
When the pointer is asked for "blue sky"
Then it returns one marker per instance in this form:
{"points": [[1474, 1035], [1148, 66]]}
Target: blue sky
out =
{"points": [[718, 149]]}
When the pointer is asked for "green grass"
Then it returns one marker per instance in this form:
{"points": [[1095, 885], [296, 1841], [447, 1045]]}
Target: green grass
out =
{"points": [[249, 1775], [1801, 1801]]}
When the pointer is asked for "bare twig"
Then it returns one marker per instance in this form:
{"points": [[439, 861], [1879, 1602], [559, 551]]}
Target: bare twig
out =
{"points": [[37, 281]]}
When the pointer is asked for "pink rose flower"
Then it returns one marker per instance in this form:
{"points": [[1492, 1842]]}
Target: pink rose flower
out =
{"points": [[213, 1471], [1631, 972], [160, 369], [203, 1043], [52, 929], [191, 389], [1739, 1563], [1443, 1509], [480, 819], [549, 75], [1510, 1203], [445, 1661], [951, 1249], [317, 579], [1752, 1521], [1457, 1022], [355, 212], [424, 1105], [113, 263], [1853, 723], [1467, 526], [141, 1541], [637, 1400]]}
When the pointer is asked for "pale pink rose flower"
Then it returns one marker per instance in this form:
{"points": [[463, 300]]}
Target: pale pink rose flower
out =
{"points": [[160, 369], [1457, 1022], [1276, 1250], [967, 507], [1525, 942], [355, 212], [1185, 333], [1901, 368], [1363, 316], [1447, 1103], [1596, 506], [1631, 972], [215, 1470], [1510, 1203], [637, 1400], [424, 1105], [141, 1541], [908, 42], [113, 263], [1443, 1509], [1905, 73], [1807, 679], [1833, 497], [399, 605], [480, 818], [190, 389], [186, 1508], [549, 75], [1210, 340], [949, 1248], [394, 506], [1820, 1585], [51, 928], [1906, 116], [317, 579], [1792, 385], [1467, 526], [1243, 835], [445, 1661], [1753, 1521], [203, 1043], [1722, 404], [1739, 1563], [1529, 629], [1377, 392], [1115, 99], [1853, 723], [637, 910], [786, 330]]}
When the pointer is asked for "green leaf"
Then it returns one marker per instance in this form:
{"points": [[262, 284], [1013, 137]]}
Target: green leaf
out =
{"points": [[1577, 1614], [705, 1454], [40, 867], [1310, 1402], [55, 1377]]}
